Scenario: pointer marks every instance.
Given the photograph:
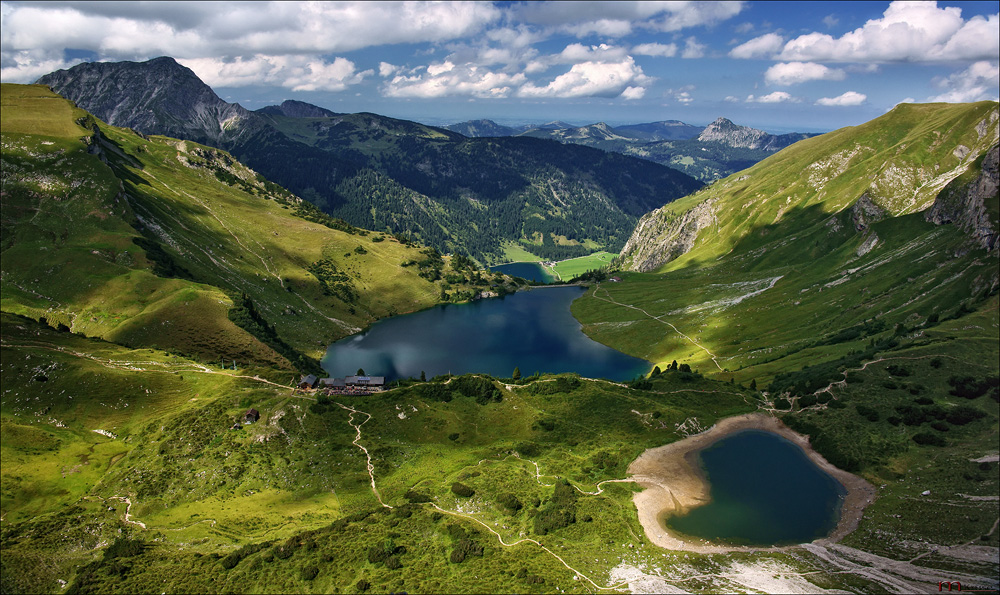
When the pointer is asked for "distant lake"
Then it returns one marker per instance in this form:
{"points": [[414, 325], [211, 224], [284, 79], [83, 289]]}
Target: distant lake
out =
{"points": [[531, 330], [532, 271], [765, 491]]}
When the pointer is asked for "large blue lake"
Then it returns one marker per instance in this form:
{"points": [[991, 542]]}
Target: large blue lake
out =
{"points": [[765, 491], [532, 271], [530, 330]]}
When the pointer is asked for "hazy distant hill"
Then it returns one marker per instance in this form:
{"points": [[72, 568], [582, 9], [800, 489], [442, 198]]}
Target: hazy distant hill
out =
{"points": [[707, 153], [454, 193], [478, 128], [297, 109]]}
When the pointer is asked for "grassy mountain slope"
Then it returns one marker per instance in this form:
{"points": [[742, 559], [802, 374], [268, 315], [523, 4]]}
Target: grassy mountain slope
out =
{"points": [[766, 270], [147, 241], [454, 193], [287, 504]]}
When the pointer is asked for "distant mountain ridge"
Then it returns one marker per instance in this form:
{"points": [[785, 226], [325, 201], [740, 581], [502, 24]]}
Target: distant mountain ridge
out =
{"points": [[297, 109], [706, 153], [458, 194], [725, 131]]}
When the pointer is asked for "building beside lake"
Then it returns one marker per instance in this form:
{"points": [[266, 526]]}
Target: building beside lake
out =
{"points": [[352, 385]]}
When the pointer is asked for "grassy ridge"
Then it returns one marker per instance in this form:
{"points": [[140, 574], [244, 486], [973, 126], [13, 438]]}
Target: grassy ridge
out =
{"points": [[145, 241], [286, 504]]}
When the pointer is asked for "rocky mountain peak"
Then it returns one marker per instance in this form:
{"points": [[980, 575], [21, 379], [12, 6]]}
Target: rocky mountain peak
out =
{"points": [[725, 131], [158, 96]]}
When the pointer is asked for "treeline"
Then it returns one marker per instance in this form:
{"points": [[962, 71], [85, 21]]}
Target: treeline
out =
{"points": [[245, 315]]}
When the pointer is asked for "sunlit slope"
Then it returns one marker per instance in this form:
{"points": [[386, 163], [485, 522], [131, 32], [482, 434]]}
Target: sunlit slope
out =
{"points": [[147, 241], [815, 252]]}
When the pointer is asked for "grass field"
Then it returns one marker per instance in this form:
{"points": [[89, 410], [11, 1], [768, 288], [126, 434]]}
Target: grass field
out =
{"points": [[567, 269]]}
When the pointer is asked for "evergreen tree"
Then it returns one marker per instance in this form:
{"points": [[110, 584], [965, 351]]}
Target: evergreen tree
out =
{"points": [[423, 376], [517, 374], [361, 372]]}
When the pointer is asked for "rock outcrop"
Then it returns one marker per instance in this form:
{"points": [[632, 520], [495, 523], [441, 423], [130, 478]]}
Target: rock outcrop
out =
{"points": [[155, 97], [965, 202], [662, 236], [726, 132]]}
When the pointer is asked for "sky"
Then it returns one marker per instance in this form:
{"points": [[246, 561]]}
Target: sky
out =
{"points": [[780, 66]]}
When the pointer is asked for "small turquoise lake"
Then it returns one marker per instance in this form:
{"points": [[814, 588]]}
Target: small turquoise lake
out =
{"points": [[532, 271], [765, 492], [531, 330]]}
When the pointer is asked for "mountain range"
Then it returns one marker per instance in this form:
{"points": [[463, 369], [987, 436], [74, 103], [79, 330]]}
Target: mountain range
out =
{"points": [[846, 284], [477, 196], [706, 153]]}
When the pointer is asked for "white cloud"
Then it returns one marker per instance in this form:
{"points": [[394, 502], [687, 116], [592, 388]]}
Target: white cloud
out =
{"points": [[907, 32], [386, 69], [776, 97], [27, 66], [848, 98], [759, 47], [447, 79], [633, 93], [681, 95], [731, 99], [693, 49], [656, 49], [616, 19], [227, 31], [591, 79], [830, 21], [976, 83], [793, 73], [298, 73]]}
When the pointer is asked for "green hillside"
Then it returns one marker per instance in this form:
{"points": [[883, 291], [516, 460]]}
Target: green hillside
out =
{"points": [[154, 242], [810, 254], [129, 465]]}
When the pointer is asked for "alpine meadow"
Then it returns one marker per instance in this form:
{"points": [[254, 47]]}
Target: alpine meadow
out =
{"points": [[256, 350]]}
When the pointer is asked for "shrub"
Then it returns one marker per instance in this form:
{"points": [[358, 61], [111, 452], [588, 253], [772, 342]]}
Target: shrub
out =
{"points": [[897, 371], [362, 585], [808, 401], [460, 489], [867, 412], [968, 387], [308, 573], [465, 548], [393, 563], [782, 404], [510, 502], [928, 439], [417, 497], [964, 414], [123, 547]]}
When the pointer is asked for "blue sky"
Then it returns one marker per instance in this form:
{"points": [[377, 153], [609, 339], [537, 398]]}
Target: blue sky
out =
{"points": [[781, 66]]}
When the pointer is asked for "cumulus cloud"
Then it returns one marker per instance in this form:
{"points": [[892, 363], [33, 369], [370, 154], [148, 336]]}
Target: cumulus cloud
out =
{"points": [[848, 98], [591, 79], [976, 83], [907, 32], [776, 97], [633, 93], [681, 95], [298, 73], [448, 79], [656, 49], [27, 66], [793, 73], [616, 19], [229, 31], [693, 49], [764, 46]]}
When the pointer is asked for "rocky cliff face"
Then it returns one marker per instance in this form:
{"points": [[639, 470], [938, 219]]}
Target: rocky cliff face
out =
{"points": [[155, 97], [726, 132], [967, 204], [661, 236]]}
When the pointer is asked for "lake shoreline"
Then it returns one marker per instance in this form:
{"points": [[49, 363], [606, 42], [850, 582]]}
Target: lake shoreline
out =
{"points": [[674, 483]]}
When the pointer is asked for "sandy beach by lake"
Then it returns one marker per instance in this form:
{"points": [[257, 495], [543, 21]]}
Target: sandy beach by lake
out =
{"points": [[674, 483]]}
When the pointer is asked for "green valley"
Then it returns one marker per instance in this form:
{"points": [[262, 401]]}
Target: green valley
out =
{"points": [[160, 300]]}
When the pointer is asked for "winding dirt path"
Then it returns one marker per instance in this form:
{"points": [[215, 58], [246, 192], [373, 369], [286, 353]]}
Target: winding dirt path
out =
{"points": [[611, 300], [371, 466]]}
